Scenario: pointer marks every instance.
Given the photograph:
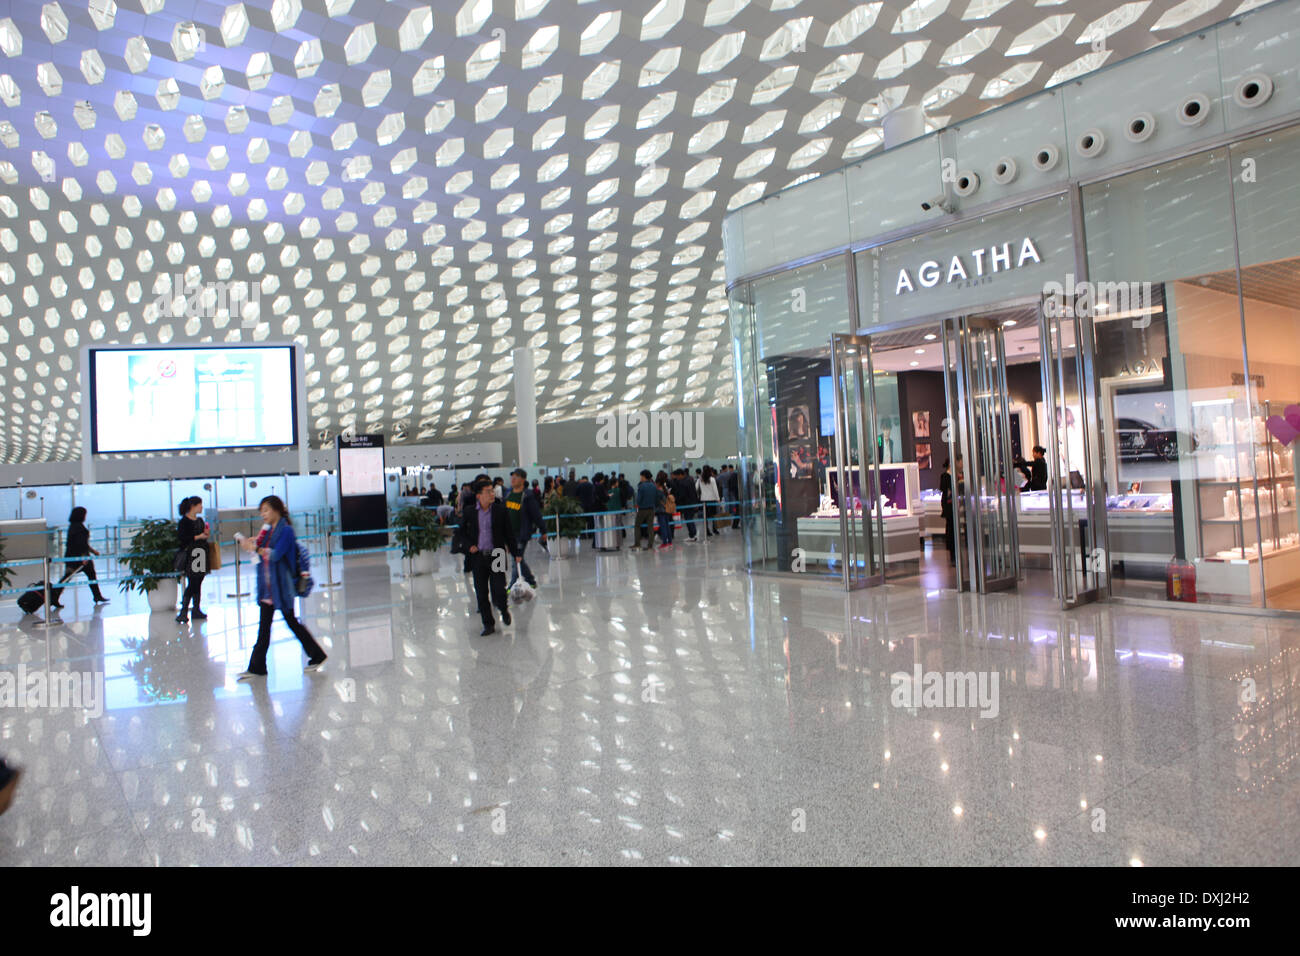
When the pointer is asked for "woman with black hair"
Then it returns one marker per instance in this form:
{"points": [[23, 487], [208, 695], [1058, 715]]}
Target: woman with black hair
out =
{"points": [[277, 586], [193, 534], [77, 551]]}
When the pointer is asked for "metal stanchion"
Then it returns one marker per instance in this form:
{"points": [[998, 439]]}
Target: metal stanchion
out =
{"points": [[559, 542], [329, 568], [238, 561], [51, 612]]}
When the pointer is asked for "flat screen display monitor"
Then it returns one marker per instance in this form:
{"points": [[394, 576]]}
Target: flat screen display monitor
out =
{"points": [[826, 405], [192, 397]]}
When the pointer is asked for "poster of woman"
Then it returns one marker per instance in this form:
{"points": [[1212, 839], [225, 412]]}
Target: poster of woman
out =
{"points": [[797, 424], [921, 424]]}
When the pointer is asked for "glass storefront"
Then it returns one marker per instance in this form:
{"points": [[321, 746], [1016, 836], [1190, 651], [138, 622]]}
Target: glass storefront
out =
{"points": [[1166, 419], [782, 328]]}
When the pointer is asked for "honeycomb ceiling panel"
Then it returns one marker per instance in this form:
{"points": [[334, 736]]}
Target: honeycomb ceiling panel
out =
{"points": [[411, 191]]}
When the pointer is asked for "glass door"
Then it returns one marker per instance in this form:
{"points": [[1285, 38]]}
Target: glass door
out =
{"points": [[850, 479], [1077, 498], [978, 431]]}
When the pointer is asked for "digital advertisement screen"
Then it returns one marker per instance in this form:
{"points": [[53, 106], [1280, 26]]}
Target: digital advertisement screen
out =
{"points": [[826, 405], [191, 398]]}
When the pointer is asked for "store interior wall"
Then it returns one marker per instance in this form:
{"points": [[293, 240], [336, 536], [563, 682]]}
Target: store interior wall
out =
{"points": [[922, 391], [794, 383], [1211, 341]]}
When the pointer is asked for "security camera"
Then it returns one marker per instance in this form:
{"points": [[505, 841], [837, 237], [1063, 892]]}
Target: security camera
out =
{"points": [[940, 202]]}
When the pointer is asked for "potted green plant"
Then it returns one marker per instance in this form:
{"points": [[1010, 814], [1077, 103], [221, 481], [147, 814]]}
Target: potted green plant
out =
{"points": [[564, 510], [150, 560], [420, 535]]}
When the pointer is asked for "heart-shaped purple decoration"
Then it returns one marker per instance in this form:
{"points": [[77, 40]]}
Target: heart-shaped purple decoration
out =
{"points": [[1285, 429]]}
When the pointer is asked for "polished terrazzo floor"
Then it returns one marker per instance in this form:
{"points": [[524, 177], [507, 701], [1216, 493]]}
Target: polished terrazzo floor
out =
{"points": [[656, 708]]}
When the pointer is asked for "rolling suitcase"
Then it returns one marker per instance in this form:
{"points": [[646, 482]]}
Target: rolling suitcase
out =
{"points": [[31, 601]]}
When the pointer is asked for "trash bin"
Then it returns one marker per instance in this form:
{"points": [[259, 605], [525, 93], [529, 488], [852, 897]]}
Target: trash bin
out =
{"points": [[607, 536]]}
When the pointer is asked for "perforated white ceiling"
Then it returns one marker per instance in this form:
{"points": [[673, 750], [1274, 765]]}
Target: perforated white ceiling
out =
{"points": [[413, 191]]}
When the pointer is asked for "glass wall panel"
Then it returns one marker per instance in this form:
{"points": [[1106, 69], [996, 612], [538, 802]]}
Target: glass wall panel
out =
{"points": [[754, 497], [1176, 416], [1266, 194], [783, 348], [793, 224]]}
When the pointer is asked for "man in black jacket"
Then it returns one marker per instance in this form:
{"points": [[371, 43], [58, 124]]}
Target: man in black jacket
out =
{"points": [[525, 518], [731, 491], [687, 500], [484, 536], [466, 500], [586, 495]]}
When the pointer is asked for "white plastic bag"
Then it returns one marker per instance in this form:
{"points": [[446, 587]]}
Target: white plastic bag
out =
{"points": [[521, 591]]}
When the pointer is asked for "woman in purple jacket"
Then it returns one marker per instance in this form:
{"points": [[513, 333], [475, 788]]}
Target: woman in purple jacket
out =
{"points": [[277, 575]]}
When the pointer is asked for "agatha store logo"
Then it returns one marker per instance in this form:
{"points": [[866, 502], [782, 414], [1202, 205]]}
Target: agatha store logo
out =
{"points": [[980, 266]]}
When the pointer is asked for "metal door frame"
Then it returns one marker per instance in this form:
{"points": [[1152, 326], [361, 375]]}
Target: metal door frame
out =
{"points": [[845, 349], [955, 331], [1062, 507], [957, 343]]}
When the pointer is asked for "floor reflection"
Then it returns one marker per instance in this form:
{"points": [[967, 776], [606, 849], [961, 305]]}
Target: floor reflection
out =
{"points": [[660, 708]]}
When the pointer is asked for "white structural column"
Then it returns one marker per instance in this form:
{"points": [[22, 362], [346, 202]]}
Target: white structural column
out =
{"points": [[525, 408], [903, 124]]}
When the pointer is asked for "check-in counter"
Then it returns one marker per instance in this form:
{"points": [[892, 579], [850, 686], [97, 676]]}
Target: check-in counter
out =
{"points": [[27, 538]]}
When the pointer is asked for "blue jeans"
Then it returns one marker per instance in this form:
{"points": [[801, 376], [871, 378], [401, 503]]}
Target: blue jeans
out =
{"points": [[665, 527]]}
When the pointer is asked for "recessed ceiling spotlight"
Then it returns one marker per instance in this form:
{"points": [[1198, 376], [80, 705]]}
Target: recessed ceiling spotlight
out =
{"points": [[915, 364], [920, 351], [930, 336], [1009, 323]]}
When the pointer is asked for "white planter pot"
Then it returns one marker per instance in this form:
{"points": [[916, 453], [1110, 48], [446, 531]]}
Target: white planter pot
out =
{"points": [[163, 597], [426, 562]]}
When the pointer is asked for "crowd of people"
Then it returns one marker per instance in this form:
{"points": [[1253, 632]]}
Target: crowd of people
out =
{"points": [[494, 526], [714, 490]]}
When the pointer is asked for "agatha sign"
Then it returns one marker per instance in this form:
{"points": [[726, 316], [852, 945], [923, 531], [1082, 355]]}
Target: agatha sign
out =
{"points": [[963, 269], [988, 261]]}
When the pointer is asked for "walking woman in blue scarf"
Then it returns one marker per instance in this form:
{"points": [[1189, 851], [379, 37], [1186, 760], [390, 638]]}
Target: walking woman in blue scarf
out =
{"points": [[277, 575]]}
